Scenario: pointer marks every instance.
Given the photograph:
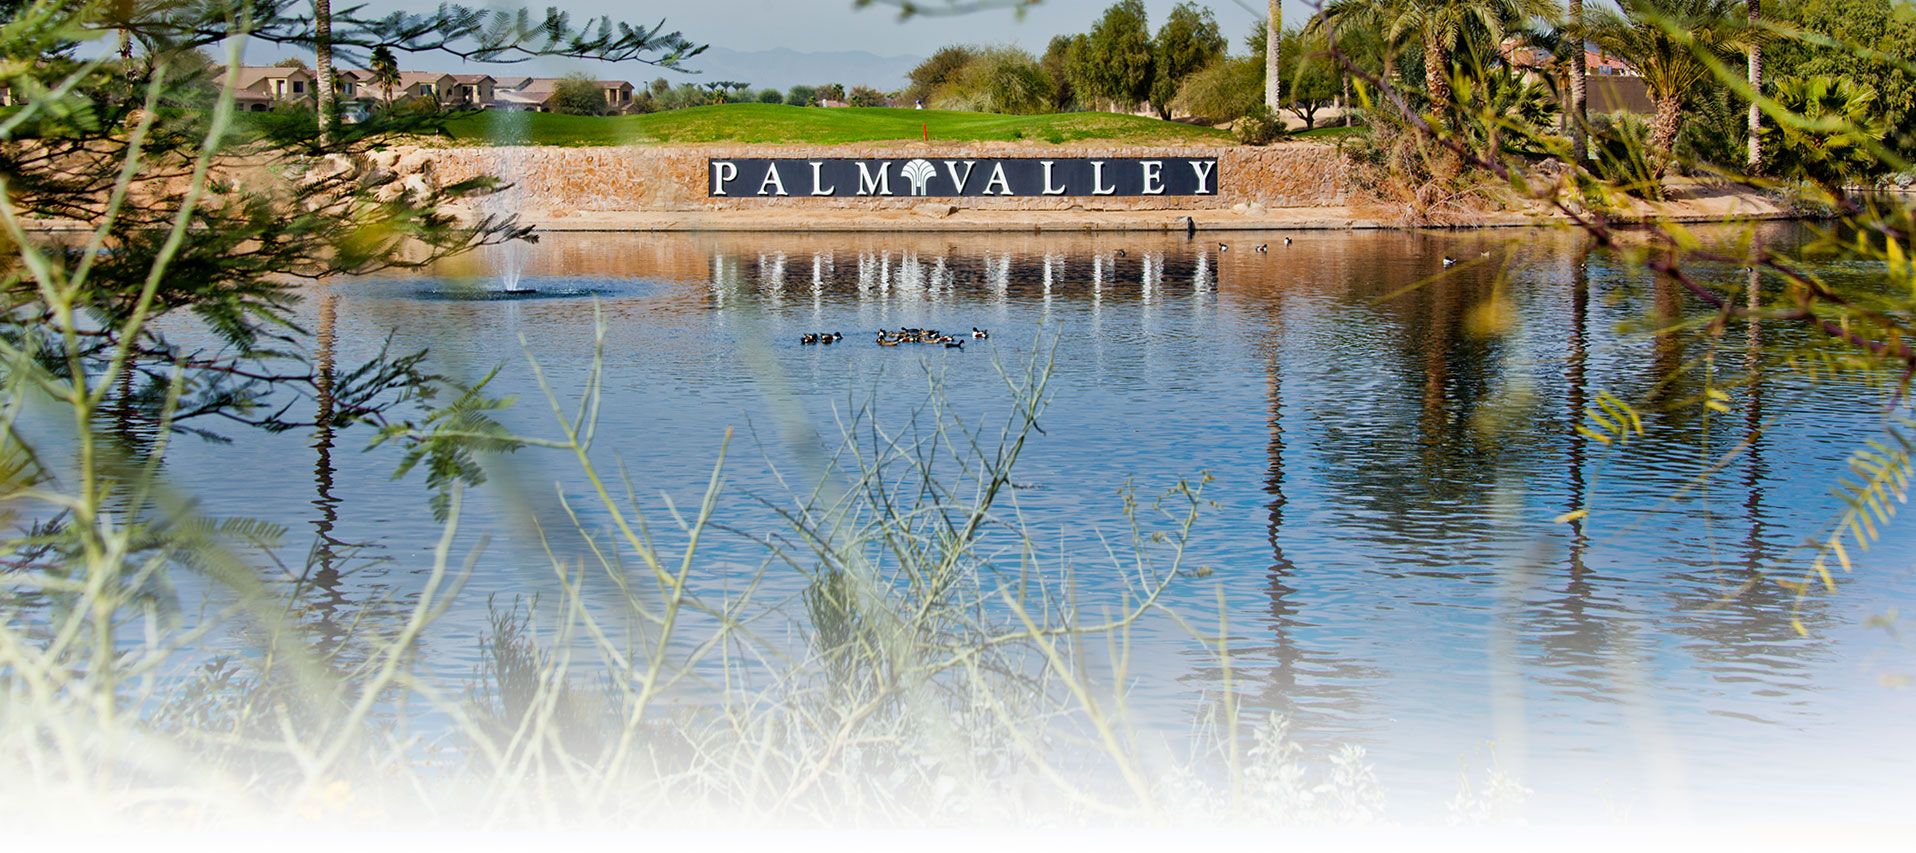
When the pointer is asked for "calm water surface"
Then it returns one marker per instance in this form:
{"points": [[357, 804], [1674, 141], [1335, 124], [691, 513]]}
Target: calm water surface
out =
{"points": [[1389, 462]]}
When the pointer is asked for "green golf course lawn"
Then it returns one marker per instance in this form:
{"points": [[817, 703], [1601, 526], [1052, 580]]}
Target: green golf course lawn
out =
{"points": [[774, 123]]}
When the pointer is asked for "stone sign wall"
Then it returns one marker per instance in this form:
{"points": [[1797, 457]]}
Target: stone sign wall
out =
{"points": [[679, 178]]}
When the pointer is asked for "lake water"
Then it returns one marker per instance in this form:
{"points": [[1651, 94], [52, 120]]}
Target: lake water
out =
{"points": [[1391, 443]]}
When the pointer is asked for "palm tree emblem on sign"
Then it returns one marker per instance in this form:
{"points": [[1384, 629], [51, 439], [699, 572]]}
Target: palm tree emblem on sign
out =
{"points": [[919, 173]]}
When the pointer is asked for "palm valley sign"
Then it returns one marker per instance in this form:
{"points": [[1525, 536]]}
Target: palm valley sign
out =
{"points": [[984, 177]]}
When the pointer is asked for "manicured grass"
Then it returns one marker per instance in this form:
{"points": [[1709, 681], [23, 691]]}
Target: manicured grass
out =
{"points": [[815, 125]]}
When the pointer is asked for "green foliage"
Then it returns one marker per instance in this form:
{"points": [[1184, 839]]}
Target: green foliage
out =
{"points": [[578, 95], [1224, 90], [1620, 155], [685, 96], [1714, 134], [938, 70], [770, 96], [1187, 42], [1000, 80], [450, 440], [831, 92], [1311, 77], [1828, 135], [1870, 43], [1671, 43], [1114, 62], [1057, 65], [866, 96], [802, 96], [385, 69], [1258, 126], [1505, 109]]}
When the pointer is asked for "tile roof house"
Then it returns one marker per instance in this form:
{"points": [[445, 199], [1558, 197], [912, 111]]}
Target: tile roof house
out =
{"points": [[258, 88], [1604, 65], [618, 94], [473, 90], [535, 93], [531, 94]]}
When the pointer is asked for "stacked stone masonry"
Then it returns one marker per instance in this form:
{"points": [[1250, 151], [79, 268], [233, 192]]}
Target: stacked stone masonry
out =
{"points": [[675, 178]]}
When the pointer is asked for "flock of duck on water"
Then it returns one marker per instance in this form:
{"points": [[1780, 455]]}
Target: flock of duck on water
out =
{"points": [[889, 338]]}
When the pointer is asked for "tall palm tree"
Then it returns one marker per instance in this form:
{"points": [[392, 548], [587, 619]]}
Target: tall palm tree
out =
{"points": [[385, 69], [1439, 28], [1756, 87], [1579, 94], [1273, 36], [1666, 41], [323, 64]]}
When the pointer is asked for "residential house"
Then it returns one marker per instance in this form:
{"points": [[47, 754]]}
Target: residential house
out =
{"points": [[534, 94], [259, 88], [473, 90], [362, 85], [1610, 84], [526, 94], [618, 95], [1598, 64]]}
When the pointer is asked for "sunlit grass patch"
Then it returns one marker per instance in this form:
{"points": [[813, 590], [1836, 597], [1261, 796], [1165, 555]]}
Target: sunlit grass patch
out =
{"points": [[773, 123]]}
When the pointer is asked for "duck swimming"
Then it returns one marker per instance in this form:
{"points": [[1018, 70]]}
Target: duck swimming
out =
{"points": [[1287, 241], [1263, 247], [980, 334], [807, 339]]}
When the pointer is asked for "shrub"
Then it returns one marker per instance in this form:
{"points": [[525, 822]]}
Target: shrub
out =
{"points": [[684, 95], [770, 96], [802, 96], [932, 74], [1057, 64], [866, 96], [578, 95], [1837, 146], [1618, 144], [1713, 133], [1000, 80], [1222, 91], [1257, 127]]}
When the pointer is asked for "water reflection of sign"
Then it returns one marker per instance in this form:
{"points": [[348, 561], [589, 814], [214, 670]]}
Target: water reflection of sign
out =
{"points": [[1008, 176]]}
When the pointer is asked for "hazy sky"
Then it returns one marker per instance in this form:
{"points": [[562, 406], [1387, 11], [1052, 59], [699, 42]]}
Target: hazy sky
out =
{"points": [[832, 25]]}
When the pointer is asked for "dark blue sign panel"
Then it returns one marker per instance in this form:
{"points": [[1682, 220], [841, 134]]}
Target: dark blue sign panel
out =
{"points": [[962, 177]]}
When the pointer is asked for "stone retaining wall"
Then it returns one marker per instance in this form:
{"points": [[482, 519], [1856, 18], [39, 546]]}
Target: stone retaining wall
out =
{"points": [[553, 181]]}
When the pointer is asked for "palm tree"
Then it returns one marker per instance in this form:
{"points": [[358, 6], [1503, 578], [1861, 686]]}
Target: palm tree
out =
{"points": [[1439, 27], [1666, 41], [1756, 88], [1579, 95], [1273, 36], [323, 64], [385, 69]]}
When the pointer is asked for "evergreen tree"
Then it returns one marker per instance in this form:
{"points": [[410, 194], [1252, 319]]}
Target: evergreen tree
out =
{"points": [[1188, 41], [1114, 61]]}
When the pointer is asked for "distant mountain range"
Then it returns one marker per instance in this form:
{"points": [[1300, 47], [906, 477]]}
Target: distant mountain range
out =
{"points": [[782, 68]]}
